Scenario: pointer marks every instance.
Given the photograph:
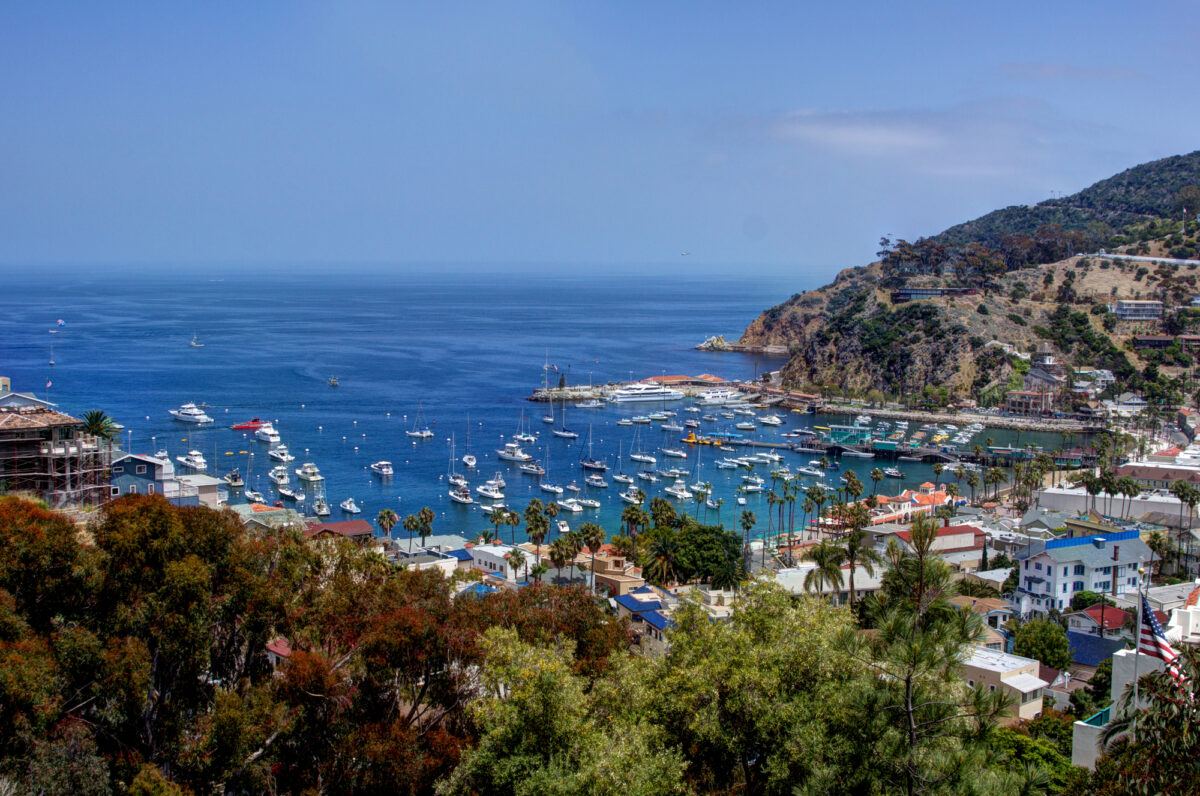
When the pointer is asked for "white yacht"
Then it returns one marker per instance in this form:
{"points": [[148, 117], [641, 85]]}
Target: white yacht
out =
{"points": [[461, 494], [570, 504], [746, 426], [320, 507], [349, 506], [632, 495], [588, 503], [469, 460], [289, 494], [194, 460], [254, 497], [648, 475], [511, 452], [719, 397], [553, 489], [382, 467], [267, 433], [624, 422], [280, 454], [679, 490], [643, 391], [674, 453], [279, 475], [492, 508], [771, 420], [622, 478], [309, 472], [190, 413], [563, 527], [596, 480], [813, 471], [532, 468], [490, 491]]}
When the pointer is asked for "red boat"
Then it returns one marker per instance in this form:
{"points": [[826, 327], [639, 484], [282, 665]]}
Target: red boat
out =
{"points": [[249, 425]]}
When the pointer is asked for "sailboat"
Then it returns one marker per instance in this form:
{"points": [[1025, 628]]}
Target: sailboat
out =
{"points": [[562, 431], [51, 352], [590, 462], [468, 458], [523, 434], [640, 455], [419, 430], [699, 487], [545, 485], [621, 476], [196, 341]]}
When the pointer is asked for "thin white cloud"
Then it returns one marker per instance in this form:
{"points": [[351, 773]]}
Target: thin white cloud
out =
{"points": [[1049, 70], [877, 133]]}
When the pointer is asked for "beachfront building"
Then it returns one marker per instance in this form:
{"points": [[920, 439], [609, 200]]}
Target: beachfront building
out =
{"points": [[1159, 475], [1051, 572], [358, 531], [794, 580], [47, 453], [209, 491], [140, 474], [1136, 309], [901, 508], [261, 517], [1076, 500], [491, 560], [1029, 402], [1125, 405], [996, 670]]}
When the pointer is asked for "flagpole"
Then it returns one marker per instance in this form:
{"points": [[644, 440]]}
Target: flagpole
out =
{"points": [[1137, 652]]}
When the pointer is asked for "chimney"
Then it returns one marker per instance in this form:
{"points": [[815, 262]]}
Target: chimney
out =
{"points": [[1098, 542], [1116, 558]]}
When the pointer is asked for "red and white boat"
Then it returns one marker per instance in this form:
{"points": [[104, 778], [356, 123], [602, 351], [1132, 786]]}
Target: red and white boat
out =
{"points": [[253, 424]]}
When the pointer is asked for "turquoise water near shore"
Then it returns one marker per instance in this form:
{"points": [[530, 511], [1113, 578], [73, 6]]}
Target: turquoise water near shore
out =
{"points": [[465, 350]]}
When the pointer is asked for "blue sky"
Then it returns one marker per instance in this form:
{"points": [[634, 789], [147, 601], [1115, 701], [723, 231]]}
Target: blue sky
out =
{"points": [[788, 136]]}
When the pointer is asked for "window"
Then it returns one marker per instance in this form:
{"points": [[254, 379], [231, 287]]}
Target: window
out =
{"points": [[1038, 566], [1065, 571], [970, 682], [1079, 569], [149, 489], [116, 490], [118, 468], [1077, 586], [992, 689], [132, 489], [140, 469]]}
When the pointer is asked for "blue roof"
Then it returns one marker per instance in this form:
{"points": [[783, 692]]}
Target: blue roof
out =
{"points": [[1075, 541], [657, 620], [478, 590], [1088, 649], [461, 555], [636, 606]]}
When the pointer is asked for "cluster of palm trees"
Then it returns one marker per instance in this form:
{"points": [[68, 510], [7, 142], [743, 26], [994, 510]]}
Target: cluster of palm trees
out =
{"points": [[420, 523], [852, 548]]}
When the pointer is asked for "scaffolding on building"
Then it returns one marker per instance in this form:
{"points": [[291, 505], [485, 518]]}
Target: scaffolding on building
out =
{"points": [[48, 454]]}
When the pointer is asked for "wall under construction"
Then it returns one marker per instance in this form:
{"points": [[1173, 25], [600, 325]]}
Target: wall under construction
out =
{"points": [[48, 454]]}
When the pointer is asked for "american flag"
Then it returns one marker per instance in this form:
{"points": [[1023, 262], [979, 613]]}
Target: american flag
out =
{"points": [[1153, 642]]}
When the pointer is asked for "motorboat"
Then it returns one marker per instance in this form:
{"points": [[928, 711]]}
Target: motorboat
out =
{"points": [[254, 497], [690, 424], [813, 471], [753, 479], [570, 504], [572, 487], [553, 489], [309, 472], [712, 504], [563, 527], [596, 481], [289, 494], [498, 480], [622, 478], [741, 501], [700, 488], [349, 506], [511, 452], [719, 397], [525, 437], [648, 475], [679, 490], [190, 413], [641, 420], [195, 342], [320, 507], [591, 403], [746, 426], [771, 420], [461, 494], [727, 464], [489, 491], [333, 381], [248, 425], [492, 508], [633, 496], [674, 453], [280, 454], [695, 410], [279, 475], [267, 433], [469, 461], [659, 417], [624, 422], [162, 455], [588, 503], [709, 418], [644, 391], [233, 479], [194, 460], [533, 468], [892, 472], [456, 479], [676, 427], [673, 472], [382, 467]]}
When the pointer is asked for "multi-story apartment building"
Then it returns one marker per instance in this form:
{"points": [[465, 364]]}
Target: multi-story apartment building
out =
{"points": [[1051, 572]]}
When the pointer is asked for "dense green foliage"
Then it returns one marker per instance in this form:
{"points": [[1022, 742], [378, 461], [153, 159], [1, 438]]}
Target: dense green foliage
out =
{"points": [[1043, 640]]}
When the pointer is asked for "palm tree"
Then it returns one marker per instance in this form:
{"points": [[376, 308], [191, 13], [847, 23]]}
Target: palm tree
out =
{"points": [[425, 518], [592, 536], [560, 553], [827, 573], [973, 483], [512, 519], [856, 548], [487, 536], [661, 559], [387, 520], [720, 503], [516, 560], [747, 522], [536, 526], [497, 518], [538, 570], [411, 524], [97, 423], [938, 469], [876, 477], [808, 507], [626, 546]]}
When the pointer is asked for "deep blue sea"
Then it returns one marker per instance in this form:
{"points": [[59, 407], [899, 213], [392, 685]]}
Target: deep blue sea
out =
{"points": [[465, 350]]}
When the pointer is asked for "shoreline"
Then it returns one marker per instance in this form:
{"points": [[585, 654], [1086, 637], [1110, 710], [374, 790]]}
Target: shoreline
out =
{"points": [[1052, 425]]}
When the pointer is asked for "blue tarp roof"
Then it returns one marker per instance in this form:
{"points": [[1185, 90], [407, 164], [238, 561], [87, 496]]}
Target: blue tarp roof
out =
{"points": [[478, 590], [461, 555], [634, 605], [656, 620], [1088, 649]]}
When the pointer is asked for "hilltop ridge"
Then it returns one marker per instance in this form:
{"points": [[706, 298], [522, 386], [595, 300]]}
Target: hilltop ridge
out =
{"points": [[1020, 277]]}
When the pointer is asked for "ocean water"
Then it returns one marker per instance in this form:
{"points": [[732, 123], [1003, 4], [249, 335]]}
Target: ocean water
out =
{"points": [[463, 351]]}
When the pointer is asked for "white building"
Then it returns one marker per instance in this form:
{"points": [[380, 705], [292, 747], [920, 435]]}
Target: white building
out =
{"points": [[492, 559], [1136, 309], [1052, 572], [1076, 500], [1011, 674]]}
